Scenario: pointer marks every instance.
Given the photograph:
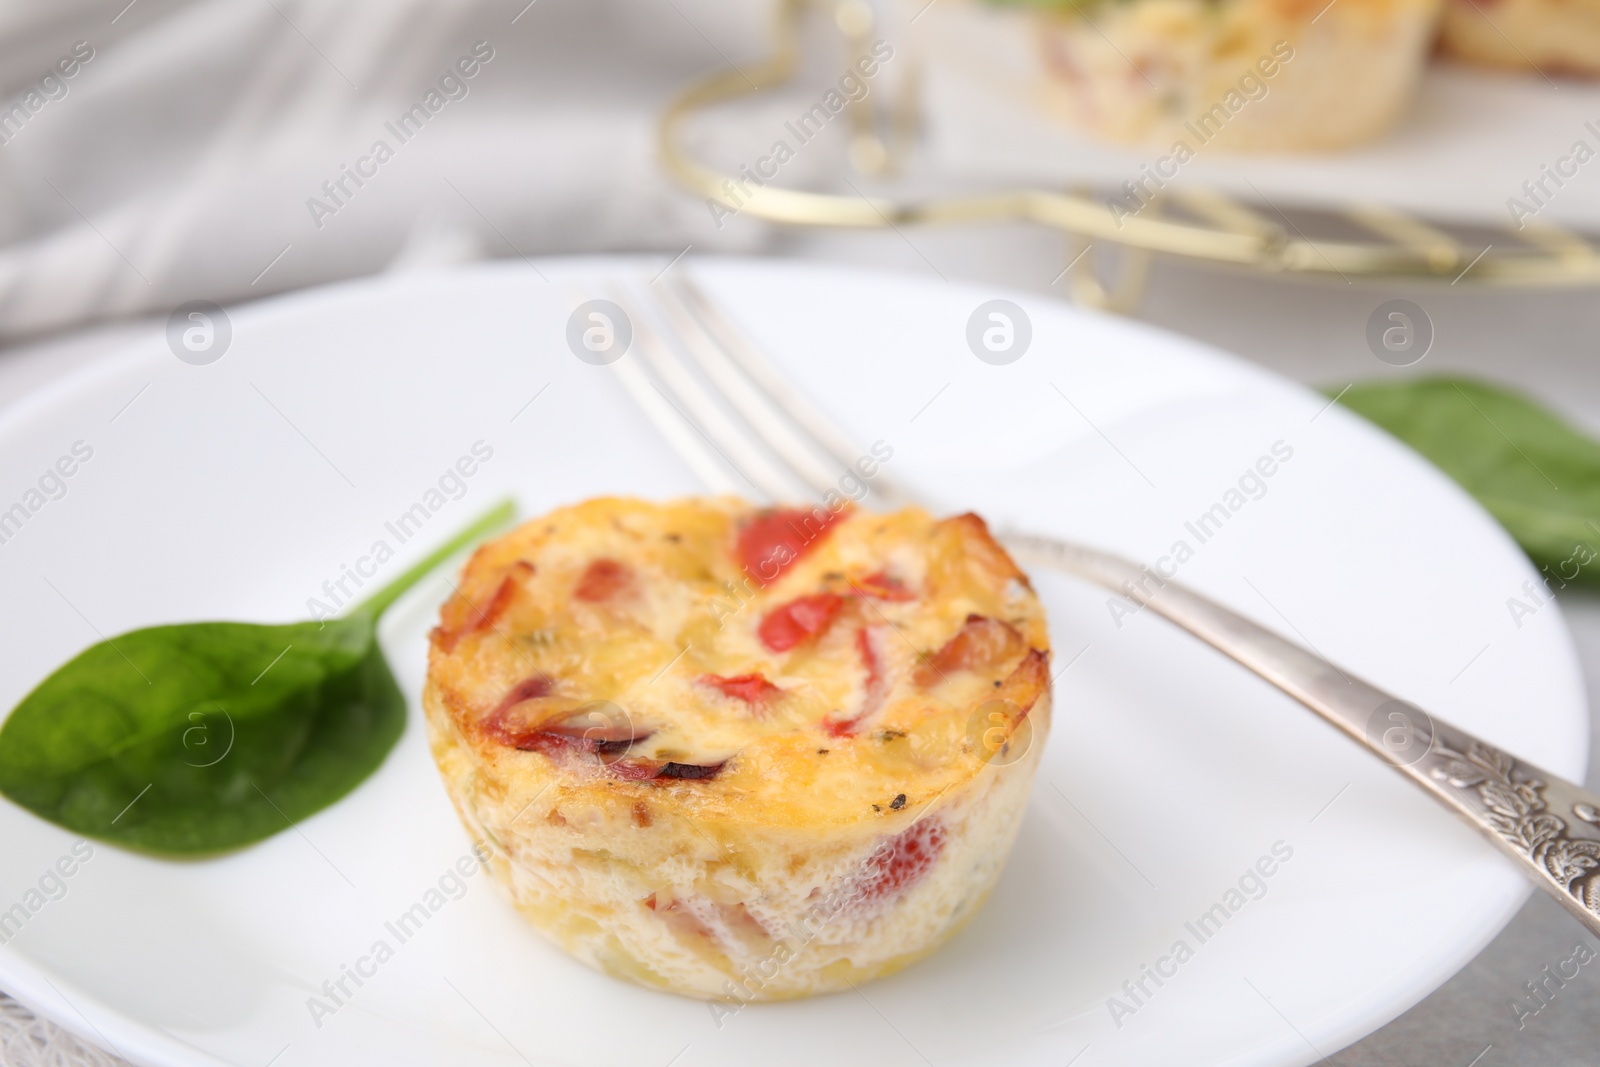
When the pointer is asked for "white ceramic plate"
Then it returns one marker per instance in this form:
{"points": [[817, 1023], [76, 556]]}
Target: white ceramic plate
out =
{"points": [[235, 489]]}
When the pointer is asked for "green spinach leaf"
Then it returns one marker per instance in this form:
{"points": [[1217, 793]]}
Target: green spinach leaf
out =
{"points": [[1535, 473], [201, 737]]}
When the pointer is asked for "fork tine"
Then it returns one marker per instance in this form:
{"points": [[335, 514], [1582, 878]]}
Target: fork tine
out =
{"points": [[777, 392], [683, 391], [659, 410], [690, 447], [746, 399]]}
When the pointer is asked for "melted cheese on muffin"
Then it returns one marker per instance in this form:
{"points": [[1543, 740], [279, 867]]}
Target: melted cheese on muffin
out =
{"points": [[710, 741]]}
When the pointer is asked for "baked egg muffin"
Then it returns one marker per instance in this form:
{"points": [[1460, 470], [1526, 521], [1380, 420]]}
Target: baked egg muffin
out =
{"points": [[1231, 75], [742, 753]]}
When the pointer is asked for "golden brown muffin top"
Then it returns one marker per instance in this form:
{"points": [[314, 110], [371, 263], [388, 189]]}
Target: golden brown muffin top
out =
{"points": [[784, 666]]}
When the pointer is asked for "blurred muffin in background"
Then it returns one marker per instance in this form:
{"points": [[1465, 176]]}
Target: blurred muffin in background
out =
{"points": [[1239, 75], [1555, 36]]}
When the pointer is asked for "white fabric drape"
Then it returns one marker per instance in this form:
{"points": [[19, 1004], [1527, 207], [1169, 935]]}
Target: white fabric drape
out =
{"points": [[179, 160]]}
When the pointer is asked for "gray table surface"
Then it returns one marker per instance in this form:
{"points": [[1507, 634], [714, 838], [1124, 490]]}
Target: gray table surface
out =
{"points": [[1545, 342]]}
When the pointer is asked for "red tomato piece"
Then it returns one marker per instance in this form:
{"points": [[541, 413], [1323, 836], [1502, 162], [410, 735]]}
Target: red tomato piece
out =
{"points": [[603, 579], [462, 615], [774, 540], [798, 620], [901, 861], [750, 688]]}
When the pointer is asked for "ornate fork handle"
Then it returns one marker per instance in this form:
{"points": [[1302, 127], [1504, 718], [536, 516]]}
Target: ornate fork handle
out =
{"points": [[1547, 825]]}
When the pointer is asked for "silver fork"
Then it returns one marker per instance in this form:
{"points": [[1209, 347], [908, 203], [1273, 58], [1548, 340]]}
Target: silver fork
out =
{"points": [[726, 404]]}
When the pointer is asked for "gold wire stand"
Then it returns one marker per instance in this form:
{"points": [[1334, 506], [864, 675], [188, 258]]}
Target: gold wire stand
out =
{"points": [[1218, 229]]}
